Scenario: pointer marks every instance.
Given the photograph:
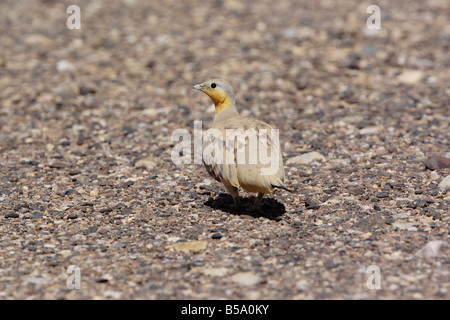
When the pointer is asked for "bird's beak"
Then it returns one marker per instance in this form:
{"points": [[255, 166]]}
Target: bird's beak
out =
{"points": [[198, 87]]}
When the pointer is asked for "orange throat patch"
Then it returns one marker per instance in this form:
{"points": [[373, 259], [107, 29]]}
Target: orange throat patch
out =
{"points": [[221, 100]]}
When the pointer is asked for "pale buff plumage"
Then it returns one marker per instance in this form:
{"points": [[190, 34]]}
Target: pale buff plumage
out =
{"points": [[234, 174]]}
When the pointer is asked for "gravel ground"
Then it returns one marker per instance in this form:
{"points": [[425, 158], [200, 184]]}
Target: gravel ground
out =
{"points": [[86, 176]]}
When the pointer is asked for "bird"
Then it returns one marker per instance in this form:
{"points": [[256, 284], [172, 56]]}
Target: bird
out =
{"points": [[242, 164]]}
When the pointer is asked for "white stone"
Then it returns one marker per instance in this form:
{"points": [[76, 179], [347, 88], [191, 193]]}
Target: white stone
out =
{"points": [[64, 66], [404, 225], [37, 280], [411, 77], [146, 163], [369, 130], [246, 278], [306, 158], [432, 249], [215, 272], [445, 183], [112, 294]]}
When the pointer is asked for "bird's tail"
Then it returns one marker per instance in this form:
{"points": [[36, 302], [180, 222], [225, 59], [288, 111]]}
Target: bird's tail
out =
{"points": [[281, 187]]}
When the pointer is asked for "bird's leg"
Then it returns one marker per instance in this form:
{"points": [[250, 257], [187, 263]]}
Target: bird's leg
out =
{"points": [[234, 191], [258, 200]]}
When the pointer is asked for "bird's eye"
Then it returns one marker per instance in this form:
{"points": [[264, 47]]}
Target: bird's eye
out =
{"points": [[213, 85]]}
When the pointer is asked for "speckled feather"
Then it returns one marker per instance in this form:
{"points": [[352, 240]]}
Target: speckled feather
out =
{"points": [[246, 175]]}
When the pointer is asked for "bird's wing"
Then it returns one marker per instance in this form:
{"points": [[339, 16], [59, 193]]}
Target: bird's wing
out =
{"points": [[253, 157], [215, 159]]}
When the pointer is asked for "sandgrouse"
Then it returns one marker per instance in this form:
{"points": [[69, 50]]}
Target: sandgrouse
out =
{"points": [[251, 156]]}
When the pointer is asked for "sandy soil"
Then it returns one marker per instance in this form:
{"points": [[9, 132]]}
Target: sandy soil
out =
{"points": [[86, 176]]}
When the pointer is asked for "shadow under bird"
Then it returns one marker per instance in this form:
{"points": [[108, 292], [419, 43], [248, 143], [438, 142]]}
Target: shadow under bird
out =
{"points": [[252, 176]]}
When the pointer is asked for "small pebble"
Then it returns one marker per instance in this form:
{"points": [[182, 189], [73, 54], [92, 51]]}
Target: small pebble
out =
{"points": [[216, 235], [382, 194]]}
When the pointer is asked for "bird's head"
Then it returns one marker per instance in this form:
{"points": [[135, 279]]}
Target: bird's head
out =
{"points": [[220, 92]]}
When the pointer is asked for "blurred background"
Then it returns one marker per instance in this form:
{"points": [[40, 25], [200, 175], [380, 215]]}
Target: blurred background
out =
{"points": [[284, 59]]}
